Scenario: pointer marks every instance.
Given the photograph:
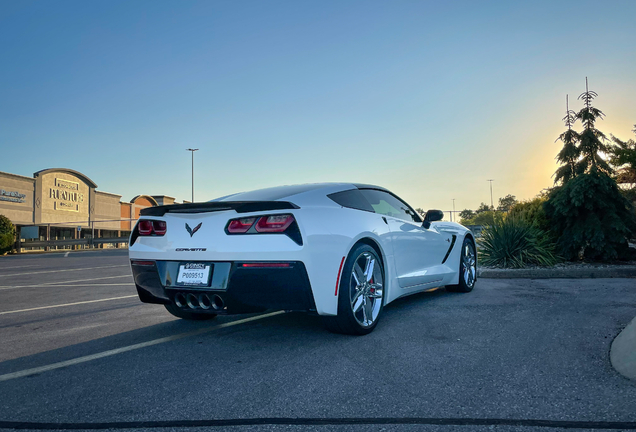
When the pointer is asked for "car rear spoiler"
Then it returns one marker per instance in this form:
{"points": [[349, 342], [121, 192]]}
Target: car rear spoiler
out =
{"points": [[214, 206]]}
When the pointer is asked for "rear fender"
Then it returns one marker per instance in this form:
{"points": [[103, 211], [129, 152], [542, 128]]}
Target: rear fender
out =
{"points": [[329, 245]]}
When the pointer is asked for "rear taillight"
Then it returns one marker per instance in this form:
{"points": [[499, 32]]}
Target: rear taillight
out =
{"points": [[159, 227], [147, 227], [274, 223], [240, 226], [268, 224]]}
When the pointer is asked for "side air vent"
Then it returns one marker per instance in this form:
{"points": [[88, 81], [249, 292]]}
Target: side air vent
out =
{"points": [[450, 248]]}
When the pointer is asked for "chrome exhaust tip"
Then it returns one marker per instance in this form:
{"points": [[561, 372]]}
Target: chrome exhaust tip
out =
{"points": [[192, 301], [217, 302], [204, 301], [180, 300]]}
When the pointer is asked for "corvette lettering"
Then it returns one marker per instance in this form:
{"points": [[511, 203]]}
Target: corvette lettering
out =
{"points": [[190, 249]]}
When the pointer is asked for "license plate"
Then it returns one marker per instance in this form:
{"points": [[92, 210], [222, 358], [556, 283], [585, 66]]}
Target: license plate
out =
{"points": [[194, 274]]}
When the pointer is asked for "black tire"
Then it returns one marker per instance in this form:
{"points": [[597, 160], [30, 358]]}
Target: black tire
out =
{"points": [[347, 321], [192, 316], [466, 284]]}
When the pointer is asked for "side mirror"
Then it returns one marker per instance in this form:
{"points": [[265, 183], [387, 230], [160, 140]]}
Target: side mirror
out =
{"points": [[432, 216]]}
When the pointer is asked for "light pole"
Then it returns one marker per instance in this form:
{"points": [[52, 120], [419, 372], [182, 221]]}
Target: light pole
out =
{"points": [[492, 206], [192, 150], [453, 213]]}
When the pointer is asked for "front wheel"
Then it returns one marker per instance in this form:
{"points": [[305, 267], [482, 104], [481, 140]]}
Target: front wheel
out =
{"points": [[360, 293], [467, 268]]}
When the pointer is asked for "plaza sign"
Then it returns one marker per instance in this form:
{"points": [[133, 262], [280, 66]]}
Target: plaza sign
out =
{"points": [[66, 194], [12, 196]]}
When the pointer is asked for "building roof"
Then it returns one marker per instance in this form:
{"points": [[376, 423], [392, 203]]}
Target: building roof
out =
{"points": [[88, 181]]}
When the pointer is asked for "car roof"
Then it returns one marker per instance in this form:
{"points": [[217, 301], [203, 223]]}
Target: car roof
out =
{"points": [[286, 192]]}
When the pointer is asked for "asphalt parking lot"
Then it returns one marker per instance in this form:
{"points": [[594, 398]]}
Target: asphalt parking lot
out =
{"points": [[79, 351]]}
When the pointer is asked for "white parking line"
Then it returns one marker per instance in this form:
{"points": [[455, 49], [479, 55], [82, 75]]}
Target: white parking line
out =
{"points": [[92, 279], [15, 267], [50, 284], [66, 270], [67, 304], [93, 285], [108, 353]]}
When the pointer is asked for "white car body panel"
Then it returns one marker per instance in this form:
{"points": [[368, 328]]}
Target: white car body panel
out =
{"points": [[416, 251], [412, 255]]}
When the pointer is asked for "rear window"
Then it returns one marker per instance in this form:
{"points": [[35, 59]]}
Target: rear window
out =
{"points": [[352, 199]]}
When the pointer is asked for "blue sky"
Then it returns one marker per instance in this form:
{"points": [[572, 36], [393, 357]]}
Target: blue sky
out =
{"points": [[429, 99]]}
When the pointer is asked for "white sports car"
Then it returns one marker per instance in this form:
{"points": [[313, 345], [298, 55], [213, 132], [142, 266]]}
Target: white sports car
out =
{"points": [[340, 250]]}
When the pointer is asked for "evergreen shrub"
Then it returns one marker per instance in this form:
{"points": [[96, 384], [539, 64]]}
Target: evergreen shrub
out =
{"points": [[532, 212], [591, 218], [7, 234]]}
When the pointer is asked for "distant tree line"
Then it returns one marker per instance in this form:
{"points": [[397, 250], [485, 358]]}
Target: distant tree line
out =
{"points": [[485, 214]]}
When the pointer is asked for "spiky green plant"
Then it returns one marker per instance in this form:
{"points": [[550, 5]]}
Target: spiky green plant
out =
{"points": [[513, 242]]}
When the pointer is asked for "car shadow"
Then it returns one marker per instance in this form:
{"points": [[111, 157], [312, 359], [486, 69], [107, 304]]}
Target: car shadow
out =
{"points": [[292, 324]]}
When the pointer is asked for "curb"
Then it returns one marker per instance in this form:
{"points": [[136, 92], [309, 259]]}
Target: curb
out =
{"points": [[627, 271], [623, 351]]}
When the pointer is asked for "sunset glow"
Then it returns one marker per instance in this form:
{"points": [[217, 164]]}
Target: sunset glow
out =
{"points": [[428, 99]]}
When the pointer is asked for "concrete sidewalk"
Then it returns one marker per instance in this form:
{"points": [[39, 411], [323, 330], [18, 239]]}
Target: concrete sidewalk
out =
{"points": [[569, 272]]}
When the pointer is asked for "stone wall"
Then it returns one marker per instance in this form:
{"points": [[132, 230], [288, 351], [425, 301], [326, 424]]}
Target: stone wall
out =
{"points": [[17, 198], [107, 208]]}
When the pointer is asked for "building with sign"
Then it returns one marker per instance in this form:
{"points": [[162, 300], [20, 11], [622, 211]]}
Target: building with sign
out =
{"points": [[61, 203]]}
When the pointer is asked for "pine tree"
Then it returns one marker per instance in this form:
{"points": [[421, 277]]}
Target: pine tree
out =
{"points": [[587, 212], [591, 218], [591, 142], [570, 153]]}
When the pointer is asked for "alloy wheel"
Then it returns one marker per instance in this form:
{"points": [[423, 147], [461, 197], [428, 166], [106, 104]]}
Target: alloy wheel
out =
{"points": [[469, 263], [366, 289]]}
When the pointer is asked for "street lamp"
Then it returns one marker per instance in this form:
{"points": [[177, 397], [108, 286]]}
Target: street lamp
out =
{"points": [[453, 213], [192, 150], [492, 206]]}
